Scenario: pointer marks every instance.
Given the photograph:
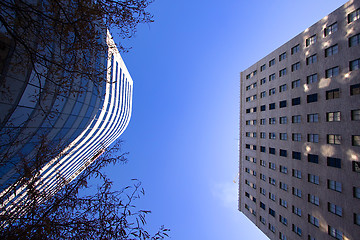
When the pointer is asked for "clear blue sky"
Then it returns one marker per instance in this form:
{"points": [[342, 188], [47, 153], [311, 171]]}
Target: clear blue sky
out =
{"points": [[183, 134]]}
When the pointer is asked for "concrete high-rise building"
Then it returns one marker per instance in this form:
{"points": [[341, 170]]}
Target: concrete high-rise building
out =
{"points": [[300, 133], [77, 125]]}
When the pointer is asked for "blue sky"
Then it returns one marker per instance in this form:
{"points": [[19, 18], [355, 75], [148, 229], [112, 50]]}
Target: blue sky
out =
{"points": [[183, 134]]}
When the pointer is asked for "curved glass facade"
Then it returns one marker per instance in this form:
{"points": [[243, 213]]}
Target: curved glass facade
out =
{"points": [[77, 127]]}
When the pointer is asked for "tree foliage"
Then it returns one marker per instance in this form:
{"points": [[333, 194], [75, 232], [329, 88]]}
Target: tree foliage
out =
{"points": [[71, 214], [62, 39]]}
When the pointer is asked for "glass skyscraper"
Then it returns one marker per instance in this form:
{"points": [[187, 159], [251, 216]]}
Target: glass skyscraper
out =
{"points": [[74, 127]]}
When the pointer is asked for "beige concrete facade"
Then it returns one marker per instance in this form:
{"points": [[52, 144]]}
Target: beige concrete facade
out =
{"points": [[316, 103]]}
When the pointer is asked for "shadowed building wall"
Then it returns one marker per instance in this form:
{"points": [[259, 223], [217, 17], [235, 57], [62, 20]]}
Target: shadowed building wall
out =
{"points": [[300, 133]]}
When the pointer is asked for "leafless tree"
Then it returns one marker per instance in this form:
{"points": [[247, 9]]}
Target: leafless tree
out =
{"points": [[71, 214]]}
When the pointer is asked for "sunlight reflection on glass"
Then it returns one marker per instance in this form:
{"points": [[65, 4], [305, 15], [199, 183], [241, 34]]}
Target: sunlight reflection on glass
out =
{"points": [[306, 148], [352, 155], [327, 150], [306, 88], [324, 82]]}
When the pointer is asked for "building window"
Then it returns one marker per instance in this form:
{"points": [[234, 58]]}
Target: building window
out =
{"points": [[272, 62], [262, 191], [314, 117], [262, 68], [283, 136], [296, 173], [296, 230], [272, 196], [335, 209], [272, 228], [282, 236], [282, 72], [355, 89], [332, 94], [271, 77], [313, 179], [283, 120], [311, 40], [262, 220], [262, 121], [262, 205], [283, 203], [312, 59], [295, 49], [313, 199], [353, 16], [272, 91], [357, 219], [272, 212], [272, 121], [262, 81], [296, 118], [334, 139], [283, 186], [272, 135], [354, 40], [283, 169], [334, 162], [333, 116], [282, 56], [262, 163], [313, 158], [314, 138], [356, 192], [262, 135], [295, 83], [296, 155], [295, 66], [272, 106], [332, 72], [272, 181], [262, 108], [283, 220], [272, 165], [312, 78], [263, 94], [295, 101], [355, 140], [313, 220], [354, 65], [271, 150], [334, 185], [331, 50], [312, 98], [311, 237], [355, 115], [296, 210], [330, 29], [356, 166], [262, 177], [282, 88], [296, 192], [283, 153], [282, 104], [335, 233], [262, 149]]}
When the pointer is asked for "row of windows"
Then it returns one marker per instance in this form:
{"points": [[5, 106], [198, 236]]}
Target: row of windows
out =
{"points": [[330, 51], [334, 139], [311, 118], [312, 158], [297, 230], [310, 98], [332, 208]]}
